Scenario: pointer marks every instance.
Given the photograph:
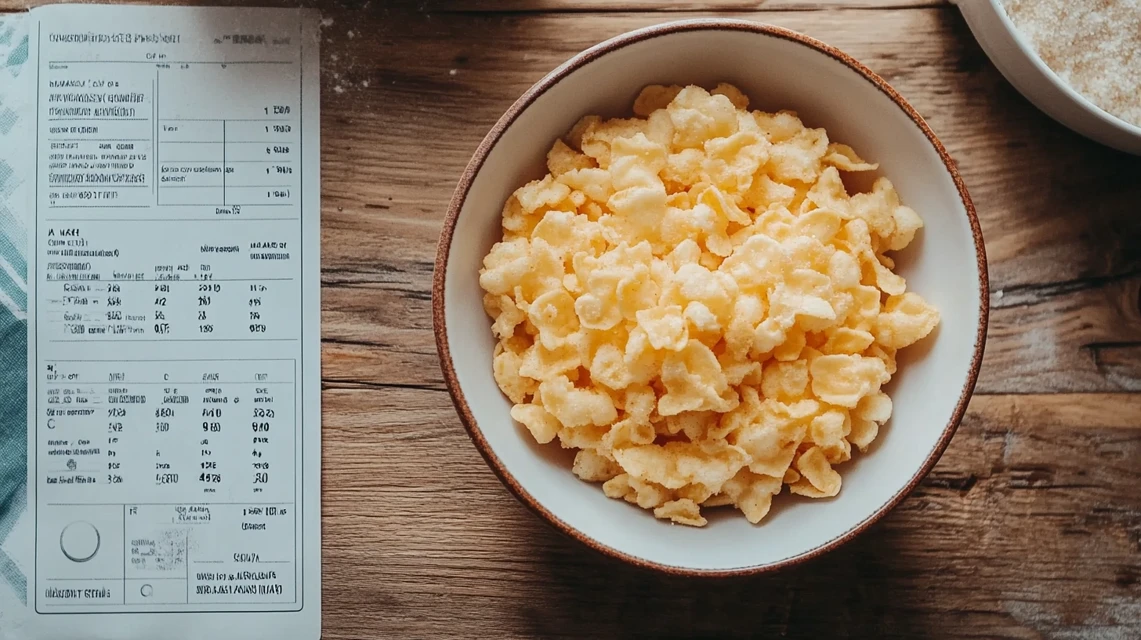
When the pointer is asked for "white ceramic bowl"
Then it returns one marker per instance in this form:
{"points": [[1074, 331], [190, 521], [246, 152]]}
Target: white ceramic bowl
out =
{"points": [[1018, 62], [946, 264]]}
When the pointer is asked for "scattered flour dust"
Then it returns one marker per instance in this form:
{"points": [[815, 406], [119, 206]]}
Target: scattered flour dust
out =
{"points": [[1093, 45], [341, 66], [1112, 618]]}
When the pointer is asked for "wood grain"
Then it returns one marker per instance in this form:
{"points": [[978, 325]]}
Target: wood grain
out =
{"points": [[1030, 525], [1076, 411], [1027, 528], [1059, 213], [552, 6], [532, 6]]}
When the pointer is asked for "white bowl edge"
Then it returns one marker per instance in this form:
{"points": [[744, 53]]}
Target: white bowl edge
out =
{"points": [[1019, 62], [797, 527]]}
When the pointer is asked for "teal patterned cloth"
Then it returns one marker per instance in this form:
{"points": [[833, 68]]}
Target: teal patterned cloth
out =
{"points": [[16, 191]]}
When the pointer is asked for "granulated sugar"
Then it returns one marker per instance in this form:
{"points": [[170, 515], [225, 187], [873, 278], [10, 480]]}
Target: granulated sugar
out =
{"points": [[1094, 45]]}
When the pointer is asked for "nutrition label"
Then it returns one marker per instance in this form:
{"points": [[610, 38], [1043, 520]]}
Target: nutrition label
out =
{"points": [[174, 417]]}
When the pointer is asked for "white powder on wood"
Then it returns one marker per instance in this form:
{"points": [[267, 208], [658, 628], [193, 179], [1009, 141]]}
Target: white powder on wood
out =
{"points": [[1093, 45]]}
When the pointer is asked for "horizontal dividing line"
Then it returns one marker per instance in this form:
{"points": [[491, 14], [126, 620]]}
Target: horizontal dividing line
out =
{"points": [[100, 186], [228, 186], [188, 280], [1034, 293], [115, 579], [168, 382], [329, 383], [1111, 410], [640, 9], [232, 204], [169, 62], [54, 605], [1016, 485], [98, 119], [221, 161], [164, 360], [218, 219], [226, 205], [356, 343], [162, 142], [164, 206], [133, 340], [120, 578], [377, 285], [248, 503], [289, 120], [386, 286], [1124, 393], [361, 269], [375, 345], [201, 606], [98, 139], [1104, 346]]}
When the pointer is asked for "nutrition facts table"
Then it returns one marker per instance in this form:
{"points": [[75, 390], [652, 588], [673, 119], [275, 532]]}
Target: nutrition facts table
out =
{"points": [[174, 359], [162, 147], [153, 453], [146, 139], [228, 163]]}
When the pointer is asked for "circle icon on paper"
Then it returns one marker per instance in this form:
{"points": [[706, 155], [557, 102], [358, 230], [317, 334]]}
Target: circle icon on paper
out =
{"points": [[79, 541], [147, 590]]}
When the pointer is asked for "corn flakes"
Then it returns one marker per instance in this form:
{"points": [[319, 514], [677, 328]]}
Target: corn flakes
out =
{"points": [[692, 299]]}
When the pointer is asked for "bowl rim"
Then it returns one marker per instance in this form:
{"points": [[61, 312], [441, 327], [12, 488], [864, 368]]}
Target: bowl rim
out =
{"points": [[439, 316], [1030, 53]]}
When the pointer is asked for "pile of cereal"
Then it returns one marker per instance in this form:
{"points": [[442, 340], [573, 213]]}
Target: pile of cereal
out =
{"points": [[1093, 45], [693, 301]]}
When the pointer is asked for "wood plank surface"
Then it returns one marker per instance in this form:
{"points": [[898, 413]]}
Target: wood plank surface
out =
{"points": [[427, 7], [1059, 213], [595, 6], [1029, 526]]}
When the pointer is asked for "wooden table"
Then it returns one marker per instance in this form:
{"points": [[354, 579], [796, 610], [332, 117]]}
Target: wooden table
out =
{"points": [[1030, 525]]}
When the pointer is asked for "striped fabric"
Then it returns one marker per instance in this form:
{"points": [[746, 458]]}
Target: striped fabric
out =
{"points": [[16, 193]]}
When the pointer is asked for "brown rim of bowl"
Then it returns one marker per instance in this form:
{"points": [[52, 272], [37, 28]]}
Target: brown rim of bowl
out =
{"points": [[489, 142]]}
